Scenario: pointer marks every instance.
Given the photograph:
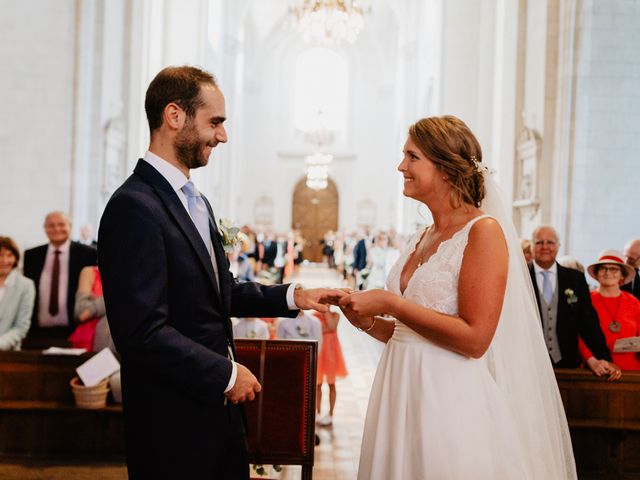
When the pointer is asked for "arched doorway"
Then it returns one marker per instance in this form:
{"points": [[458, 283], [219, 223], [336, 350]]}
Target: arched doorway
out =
{"points": [[314, 213]]}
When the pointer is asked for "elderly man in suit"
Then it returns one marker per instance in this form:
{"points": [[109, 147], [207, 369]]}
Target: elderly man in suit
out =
{"points": [[632, 257], [565, 308], [55, 270], [169, 296]]}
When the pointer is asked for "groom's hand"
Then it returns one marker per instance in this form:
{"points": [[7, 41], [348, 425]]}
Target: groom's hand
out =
{"points": [[318, 298], [246, 386]]}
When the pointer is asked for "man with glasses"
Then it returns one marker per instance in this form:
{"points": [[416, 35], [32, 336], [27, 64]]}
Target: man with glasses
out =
{"points": [[632, 257], [565, 308]]}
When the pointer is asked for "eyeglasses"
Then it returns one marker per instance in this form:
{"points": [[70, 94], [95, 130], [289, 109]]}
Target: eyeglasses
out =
{"points": [[609, 269], [540, 243]]}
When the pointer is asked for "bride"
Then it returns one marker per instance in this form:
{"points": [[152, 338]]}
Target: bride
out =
{"points": [[464, 388]]}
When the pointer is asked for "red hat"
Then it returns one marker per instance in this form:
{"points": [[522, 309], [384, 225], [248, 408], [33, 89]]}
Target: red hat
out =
{"points": [[613, 257]]}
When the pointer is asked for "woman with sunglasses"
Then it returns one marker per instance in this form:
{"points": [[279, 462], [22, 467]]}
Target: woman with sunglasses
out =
{"points": [[618, 311]]}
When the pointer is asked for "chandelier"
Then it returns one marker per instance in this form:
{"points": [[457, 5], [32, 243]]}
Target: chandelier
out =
{"points": [[329, 22], [318, 170]]}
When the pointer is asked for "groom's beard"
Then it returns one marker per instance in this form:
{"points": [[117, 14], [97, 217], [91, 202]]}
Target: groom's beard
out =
{"points": [[190, 148]]}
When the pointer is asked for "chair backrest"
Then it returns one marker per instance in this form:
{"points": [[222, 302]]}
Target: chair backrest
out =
{"points": [[281, 420]]}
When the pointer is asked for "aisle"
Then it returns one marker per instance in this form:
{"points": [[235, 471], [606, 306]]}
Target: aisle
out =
{"points": [[339, 451]]}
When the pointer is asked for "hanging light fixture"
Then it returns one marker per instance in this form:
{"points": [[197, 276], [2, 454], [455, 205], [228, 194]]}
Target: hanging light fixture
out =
{"points": [[318, 170], [329, 22]]}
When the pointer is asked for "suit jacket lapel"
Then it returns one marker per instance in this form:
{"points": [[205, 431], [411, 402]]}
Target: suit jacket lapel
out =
{"points": [[221, 257], [223, 270], [170, 199], [534, 281], [561, 285]]}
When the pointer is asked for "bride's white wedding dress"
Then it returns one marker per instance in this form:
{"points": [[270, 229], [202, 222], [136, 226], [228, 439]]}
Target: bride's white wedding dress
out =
{"points": [[435, 414]]}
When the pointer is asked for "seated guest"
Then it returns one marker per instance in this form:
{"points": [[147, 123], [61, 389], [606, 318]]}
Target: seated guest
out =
{"points": [[92, 333], [251, 328], [17, 294], [632, 258], [304, 327], [55, 270], [565, 307], [619, 311]]}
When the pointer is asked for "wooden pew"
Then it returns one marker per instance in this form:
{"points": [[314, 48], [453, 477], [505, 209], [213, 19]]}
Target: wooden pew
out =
{"points": [[604, 420], [38, 416]]}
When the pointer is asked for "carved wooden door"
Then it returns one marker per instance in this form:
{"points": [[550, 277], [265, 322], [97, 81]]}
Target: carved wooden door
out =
{"points": [[314, 213]]}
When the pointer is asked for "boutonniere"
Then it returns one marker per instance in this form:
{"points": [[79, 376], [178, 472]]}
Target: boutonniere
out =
{"points": [[571, 296], [302, 331], [230, 234]]}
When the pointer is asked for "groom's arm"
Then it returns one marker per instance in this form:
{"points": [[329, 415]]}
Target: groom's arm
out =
{"points": [[252, 299]]}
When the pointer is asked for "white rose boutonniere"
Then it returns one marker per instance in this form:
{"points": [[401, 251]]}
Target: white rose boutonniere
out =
{"points": [[571, 296], [230, 234]]}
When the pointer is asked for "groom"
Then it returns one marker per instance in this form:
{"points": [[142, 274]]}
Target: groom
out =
{"points": [[169, 296]]}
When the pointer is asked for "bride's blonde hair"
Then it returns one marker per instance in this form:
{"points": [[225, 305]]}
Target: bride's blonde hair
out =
{"points": [[449, 143]]}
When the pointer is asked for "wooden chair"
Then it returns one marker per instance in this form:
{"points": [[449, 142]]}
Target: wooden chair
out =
{"points": [[281, 420]]}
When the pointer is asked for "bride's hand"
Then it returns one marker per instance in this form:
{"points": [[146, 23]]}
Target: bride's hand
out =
{"points": [[356, 320], [369, 303]]}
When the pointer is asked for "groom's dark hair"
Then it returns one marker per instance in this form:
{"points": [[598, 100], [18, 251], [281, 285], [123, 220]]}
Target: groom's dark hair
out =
{"points": [[180, 85]]}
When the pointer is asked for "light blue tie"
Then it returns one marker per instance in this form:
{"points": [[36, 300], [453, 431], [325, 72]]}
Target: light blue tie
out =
{"points": [[198, 212], [547, 291]]}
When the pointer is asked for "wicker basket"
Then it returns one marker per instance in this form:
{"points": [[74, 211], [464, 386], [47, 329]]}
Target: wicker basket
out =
{"points": [[90, 397]]}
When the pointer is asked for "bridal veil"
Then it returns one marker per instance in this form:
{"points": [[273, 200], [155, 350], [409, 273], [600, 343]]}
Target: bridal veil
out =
{"points": [[519, 361]]}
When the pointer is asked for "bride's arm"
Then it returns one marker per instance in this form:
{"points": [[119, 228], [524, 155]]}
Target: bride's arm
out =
{"points": [[481, 288], [378, 327]]}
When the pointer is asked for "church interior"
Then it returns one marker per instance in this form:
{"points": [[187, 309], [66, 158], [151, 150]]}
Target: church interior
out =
{"points": [[318, 108]]}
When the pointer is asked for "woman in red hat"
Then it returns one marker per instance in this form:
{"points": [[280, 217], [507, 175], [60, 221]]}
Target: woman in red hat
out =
{"points": [[619, 311]]}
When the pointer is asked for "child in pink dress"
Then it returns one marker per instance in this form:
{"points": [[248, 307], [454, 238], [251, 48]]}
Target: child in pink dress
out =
{"points": [[330, 363]]}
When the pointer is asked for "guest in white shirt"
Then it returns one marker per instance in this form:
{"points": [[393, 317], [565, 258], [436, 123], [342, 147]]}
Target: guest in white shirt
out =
{"points": [[304, 327], [55, 270], [251, 328], [17, 295]]}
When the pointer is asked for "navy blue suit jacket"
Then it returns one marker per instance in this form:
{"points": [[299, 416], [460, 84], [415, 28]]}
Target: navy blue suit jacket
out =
{"points": [[171, 326], [360, 255]]}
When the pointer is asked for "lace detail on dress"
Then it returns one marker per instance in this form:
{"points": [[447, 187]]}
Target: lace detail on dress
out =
{"points": [[435, 283]]}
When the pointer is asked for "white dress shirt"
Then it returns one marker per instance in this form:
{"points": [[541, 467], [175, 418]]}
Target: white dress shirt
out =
{"points": [[45, 319], [553, 278]]}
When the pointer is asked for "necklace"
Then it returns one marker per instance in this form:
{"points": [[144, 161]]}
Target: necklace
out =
{"points": [[614, 325], [421, 257]]}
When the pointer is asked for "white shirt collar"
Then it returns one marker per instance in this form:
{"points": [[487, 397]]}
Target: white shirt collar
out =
{"points": [[64, 248], [538, 269], [171, 173]]}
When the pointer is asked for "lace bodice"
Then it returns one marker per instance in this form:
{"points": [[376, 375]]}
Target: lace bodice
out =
{"points": [[435, 283]]}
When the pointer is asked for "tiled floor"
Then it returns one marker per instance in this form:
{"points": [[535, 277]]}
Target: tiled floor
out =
{"points": [[338, 453]]}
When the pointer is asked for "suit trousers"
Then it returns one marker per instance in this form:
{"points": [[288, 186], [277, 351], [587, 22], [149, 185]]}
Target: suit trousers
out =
{"points": [[227, 459]]}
